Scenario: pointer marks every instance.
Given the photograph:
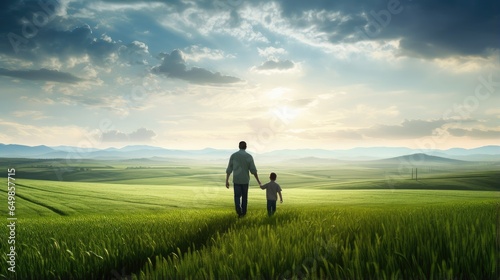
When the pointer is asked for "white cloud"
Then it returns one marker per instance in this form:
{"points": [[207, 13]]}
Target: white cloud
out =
{"points": [[106, 38], [271, 52], [35, 115], [135, 53], [75, 60], [371, 112], [30, 134], [299, 58], [469, 64], [139, 135], [269, 16], [197, 53], [196, 20], [116, 7]]}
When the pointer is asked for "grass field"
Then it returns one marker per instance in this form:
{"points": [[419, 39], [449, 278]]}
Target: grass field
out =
{"points": [[111, 221]]}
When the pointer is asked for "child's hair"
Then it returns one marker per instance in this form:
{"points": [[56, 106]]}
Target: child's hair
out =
{"points": [[273, 176]]}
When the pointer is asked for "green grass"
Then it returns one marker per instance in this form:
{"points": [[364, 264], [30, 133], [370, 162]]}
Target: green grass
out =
{"points": [[97, 246], [178, 222], [55, 198], [345, 243], [349, 242]]}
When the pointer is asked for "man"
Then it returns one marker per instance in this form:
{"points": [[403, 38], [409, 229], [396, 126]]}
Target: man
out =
{"points": [[240, 163]]}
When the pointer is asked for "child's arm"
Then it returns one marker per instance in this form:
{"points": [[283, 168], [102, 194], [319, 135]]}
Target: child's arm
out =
{"points": [[281, 198]]}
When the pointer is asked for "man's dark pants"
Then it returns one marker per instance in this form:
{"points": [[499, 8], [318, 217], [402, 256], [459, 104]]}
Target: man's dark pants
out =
{"points": [[241, 198]]}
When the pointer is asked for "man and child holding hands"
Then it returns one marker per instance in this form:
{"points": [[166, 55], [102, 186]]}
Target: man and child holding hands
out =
{"points": [[240, 164]]}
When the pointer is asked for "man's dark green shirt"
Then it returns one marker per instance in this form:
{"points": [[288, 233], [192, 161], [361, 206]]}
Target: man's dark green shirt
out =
{"points": [[240, 163]]}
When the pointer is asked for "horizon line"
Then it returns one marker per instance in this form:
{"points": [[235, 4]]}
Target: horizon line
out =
{"points": [[250, 148]]}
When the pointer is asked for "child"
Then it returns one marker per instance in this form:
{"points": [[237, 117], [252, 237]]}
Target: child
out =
{"points": [[272, 188]]}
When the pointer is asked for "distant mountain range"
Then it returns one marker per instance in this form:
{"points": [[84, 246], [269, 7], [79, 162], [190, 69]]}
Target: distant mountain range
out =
{"points": [[128, 152], [485, 153]]}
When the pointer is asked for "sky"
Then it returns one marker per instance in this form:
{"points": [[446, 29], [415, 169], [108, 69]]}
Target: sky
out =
{"points": [[286, 74]]}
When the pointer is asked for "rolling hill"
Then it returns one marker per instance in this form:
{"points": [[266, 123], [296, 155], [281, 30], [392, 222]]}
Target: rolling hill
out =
{"points": [[421, 159]]}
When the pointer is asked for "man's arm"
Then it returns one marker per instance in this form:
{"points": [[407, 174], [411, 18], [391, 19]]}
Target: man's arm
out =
{"points": [[257, 178], [229, 169], [253, 170]]}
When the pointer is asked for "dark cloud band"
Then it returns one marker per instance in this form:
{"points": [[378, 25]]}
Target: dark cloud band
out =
{"points": [[174, 66], [41, 75], [425, 28]]}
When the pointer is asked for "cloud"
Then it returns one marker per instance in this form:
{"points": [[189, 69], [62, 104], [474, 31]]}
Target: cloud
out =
{"points": [[408, 129], [78, 41], [41, 75], [449, 28], [135, 53], [140, 135], [174, 66], [271, 51], [121, 7], [31, 134], [37, 31], [474, 133], [424, 28], [343, 134], [59, 37], [276, 65], [34, 115], [196, 53], [22, 21], [420, 28]]}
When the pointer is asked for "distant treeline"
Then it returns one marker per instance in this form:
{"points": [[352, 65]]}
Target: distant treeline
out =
{"points": [[158, 167]]}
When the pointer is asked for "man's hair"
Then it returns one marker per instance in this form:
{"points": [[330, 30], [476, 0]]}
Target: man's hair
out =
{"points": [[273, 176], [243, 145]]}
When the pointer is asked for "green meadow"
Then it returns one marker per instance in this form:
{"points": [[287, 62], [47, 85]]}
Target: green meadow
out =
{"points": [[160, 220]]}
